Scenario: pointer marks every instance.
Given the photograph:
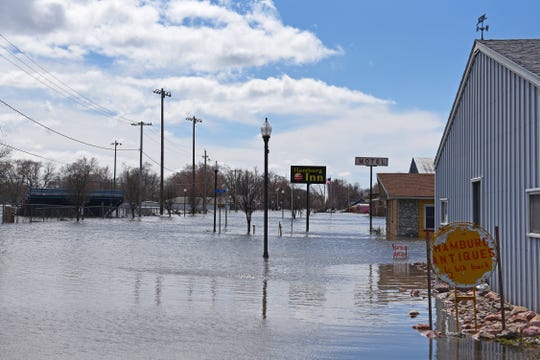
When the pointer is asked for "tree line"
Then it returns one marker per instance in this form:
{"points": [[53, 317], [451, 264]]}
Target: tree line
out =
{"points": [[241, 189]]}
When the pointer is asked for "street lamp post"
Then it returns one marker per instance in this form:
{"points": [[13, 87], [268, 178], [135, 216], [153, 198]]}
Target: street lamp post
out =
{"points": [[266, 131], [215, 193], [185, 190], [277, 199], [282, 207]]}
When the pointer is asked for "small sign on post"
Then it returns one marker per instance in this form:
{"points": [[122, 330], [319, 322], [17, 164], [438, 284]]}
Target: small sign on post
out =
{"points": [[371, 162]]}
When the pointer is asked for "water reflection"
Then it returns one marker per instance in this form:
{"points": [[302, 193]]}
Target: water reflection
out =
{"points": [[159, 279], [264, 289], [453, 347], [137, 289], [157, 292]]}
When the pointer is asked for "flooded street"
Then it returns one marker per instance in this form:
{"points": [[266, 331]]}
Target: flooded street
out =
{"points": [[171, 288]]}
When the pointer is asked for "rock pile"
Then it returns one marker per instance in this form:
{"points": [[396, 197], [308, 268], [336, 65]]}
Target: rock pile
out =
{"points": [[520, 321], [522, 324]]}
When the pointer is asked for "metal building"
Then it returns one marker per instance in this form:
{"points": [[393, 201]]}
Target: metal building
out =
{"points": [[488, 162]]}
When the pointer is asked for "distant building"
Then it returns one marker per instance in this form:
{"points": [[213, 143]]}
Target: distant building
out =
{"points": [[410, 207], [57, 203], [488, 161], [422, 165]]}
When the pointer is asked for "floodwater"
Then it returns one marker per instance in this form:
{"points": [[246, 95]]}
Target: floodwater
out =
{"points": [[171, 288]]}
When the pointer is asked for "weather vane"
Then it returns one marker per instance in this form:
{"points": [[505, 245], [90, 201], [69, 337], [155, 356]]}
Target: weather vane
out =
{"points": [[480, 26]]}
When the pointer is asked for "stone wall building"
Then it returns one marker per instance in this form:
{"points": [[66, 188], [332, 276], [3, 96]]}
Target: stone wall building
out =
{"points": [[409, 204]]}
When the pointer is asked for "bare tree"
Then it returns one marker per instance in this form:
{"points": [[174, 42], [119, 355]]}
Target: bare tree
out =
{"points": [[77, 181], [49, 177], [171, 192], [248, 189], [129, 183]]}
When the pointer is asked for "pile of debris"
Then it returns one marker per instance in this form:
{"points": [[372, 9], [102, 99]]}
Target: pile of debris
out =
{"points": [[520, 322]]}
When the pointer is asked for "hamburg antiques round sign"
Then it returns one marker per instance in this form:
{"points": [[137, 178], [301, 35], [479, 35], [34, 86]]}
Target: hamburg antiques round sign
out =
{"points": [[463, 255]]}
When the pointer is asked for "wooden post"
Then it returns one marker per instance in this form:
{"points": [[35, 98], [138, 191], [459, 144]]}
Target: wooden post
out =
{"points": [[499, 268], [428, 254]]}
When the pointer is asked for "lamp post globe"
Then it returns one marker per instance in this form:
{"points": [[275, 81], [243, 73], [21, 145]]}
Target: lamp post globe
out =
{"points": [[266, 131]]}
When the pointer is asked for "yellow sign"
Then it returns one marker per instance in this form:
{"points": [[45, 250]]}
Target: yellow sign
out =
{"points": [[463, 254]]}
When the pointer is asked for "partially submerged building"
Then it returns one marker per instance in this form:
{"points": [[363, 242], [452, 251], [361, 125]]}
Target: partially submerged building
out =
{"points": [[488, 161], [57, 203], [410, 208]]}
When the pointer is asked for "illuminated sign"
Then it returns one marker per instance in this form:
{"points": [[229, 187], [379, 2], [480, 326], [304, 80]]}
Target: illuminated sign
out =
{"points": [[463, 254], [308, 174]]}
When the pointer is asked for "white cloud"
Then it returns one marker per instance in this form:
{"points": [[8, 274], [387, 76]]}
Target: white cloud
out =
{"points": [[190, 47], [178, 36]]}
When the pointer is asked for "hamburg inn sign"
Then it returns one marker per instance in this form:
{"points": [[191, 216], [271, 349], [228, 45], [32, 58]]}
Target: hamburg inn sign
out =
{"points": [[308, 174]]}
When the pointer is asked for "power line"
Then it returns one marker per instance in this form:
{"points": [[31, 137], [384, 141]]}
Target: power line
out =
{"points": [[156, 162], [29, 153], [54, 131], [49, 80], [57, 85]]}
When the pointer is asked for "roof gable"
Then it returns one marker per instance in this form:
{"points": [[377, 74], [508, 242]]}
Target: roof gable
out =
{"points": [[524, 53], [519, 56], [422, 165], [401, 185]]}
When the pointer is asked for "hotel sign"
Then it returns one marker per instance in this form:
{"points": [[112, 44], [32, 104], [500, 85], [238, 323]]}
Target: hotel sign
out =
{"points": [[371, 161], [463, 254], [308, 174]]}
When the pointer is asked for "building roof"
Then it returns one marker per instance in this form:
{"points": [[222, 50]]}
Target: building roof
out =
{"points": [[422, 165], [522, 52], [520, 56], [407, 186]]}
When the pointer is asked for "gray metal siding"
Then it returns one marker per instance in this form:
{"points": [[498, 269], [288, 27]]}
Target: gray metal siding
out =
{"points": [[494, 136]]}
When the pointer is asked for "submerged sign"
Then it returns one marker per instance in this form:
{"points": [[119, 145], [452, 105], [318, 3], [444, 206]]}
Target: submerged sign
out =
{"points": [[463, 254], [308, 174]]}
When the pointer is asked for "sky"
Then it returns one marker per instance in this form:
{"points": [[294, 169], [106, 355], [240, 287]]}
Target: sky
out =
{"points": [[335, 79]]}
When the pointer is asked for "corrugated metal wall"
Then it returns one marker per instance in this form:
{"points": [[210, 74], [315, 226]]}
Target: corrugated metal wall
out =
{"points": [[495, 138]]}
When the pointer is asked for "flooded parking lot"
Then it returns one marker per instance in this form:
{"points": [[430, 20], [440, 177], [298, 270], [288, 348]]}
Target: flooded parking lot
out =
{"points": [[171, 288]]}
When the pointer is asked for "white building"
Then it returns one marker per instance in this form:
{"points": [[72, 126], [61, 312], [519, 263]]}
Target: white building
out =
{"points": [[488, 162]]}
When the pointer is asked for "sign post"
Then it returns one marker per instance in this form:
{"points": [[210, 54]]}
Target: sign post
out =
{"points": [[308, 175], [371, 162]]}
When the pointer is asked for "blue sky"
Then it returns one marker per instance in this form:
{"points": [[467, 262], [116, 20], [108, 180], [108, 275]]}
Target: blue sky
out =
{"points": [[336, 79]]}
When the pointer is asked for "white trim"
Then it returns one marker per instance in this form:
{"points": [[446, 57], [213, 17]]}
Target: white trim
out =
{"points": [[529, 192], [445, 200], [474, 181]]}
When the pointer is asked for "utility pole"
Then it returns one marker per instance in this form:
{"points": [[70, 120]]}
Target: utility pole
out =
{"points": [[115, 143], [206, 158], [163, 93], [194, 120], [141, 124]]}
